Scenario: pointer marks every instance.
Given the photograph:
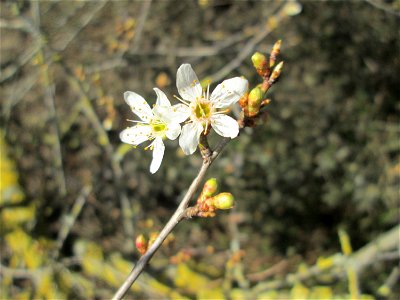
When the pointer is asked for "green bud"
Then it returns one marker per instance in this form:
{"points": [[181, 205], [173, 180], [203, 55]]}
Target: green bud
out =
{"points": [[210, 187], [255, 95], [254, 101], [260, 63], [223, 201], [259, 60]]}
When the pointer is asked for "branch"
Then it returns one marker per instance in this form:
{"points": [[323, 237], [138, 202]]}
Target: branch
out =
{"points": [[51, 107], [88, 110], [70, 219], [383, 7], [360, 259], [144, 12], [247, 49], [178, 216], [182, 211]]}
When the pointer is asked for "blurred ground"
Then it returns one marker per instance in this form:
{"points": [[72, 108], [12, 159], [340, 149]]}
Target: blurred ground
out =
{"points": [[73, 197]]}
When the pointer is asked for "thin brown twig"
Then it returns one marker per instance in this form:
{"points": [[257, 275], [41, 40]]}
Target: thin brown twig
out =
{"points": [[247, 49], [119, 60], [16, 24], [88, 110], [194, 52], [50, 103], [276, 268], [178, 216], [16, 93], [144, 12], [359, 260], [393, 278], [18, 273], [67, 35], [384, 8], [25, 57], [70, 219]]}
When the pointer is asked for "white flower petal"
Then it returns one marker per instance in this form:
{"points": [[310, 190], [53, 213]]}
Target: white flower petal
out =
{"points": [[180, 113], [225, 125], [135, 135], [187, 83], [162, 113], [228, 92], [158, 154], [139, 106], [173, 114], [190, 136], [162, 99], [173, 130]]}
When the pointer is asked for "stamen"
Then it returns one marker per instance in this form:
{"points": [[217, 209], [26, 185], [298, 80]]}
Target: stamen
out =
{"points": [[193, 83], [208, 92], [135, 121], [157, 122], [202, 110], [222, 112], [151, 145], [181, 100]]}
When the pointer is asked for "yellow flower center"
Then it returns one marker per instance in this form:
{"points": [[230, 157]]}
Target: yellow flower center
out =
{"points": [[202, 109], [158, 127]]}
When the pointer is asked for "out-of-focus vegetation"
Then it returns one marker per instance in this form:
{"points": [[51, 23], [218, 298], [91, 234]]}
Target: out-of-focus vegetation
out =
{"points": [[317, 187]]}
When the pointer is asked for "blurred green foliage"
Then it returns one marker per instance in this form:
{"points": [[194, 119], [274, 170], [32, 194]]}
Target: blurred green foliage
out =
{"points": [[327, 158]]}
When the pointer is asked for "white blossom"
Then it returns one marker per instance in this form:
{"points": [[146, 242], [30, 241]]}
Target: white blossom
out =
{"points": [[204, 109], [155, 125]]}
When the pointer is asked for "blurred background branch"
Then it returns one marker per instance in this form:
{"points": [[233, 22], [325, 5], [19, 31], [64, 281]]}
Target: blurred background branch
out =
{"points": [[72, 196]]}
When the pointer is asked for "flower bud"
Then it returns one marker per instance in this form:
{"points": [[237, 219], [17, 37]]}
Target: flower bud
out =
{"points": [[223, 201], [141, 244], [265, 102], [254, 101], [210, 187], [274, 53], [260, 63], [275, 74], [243, 100]]}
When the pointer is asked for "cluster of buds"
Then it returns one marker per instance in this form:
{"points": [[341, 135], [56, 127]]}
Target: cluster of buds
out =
{"points": [[253, 101], [208, 203], [142, 243], [181, 257], [124, 33]]}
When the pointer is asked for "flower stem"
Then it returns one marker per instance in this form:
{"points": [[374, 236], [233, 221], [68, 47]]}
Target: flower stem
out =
{"points": [[178, 216], [205, 150]]}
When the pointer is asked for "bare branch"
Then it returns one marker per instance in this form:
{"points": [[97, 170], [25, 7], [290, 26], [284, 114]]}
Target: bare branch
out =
{"points": [[178, 216], [359, 260]]}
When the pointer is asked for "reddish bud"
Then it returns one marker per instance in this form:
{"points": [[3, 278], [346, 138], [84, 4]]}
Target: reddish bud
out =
{"points": [[243, 100], [141, 244], [276, 73], [274, 53], [206, 214]]}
